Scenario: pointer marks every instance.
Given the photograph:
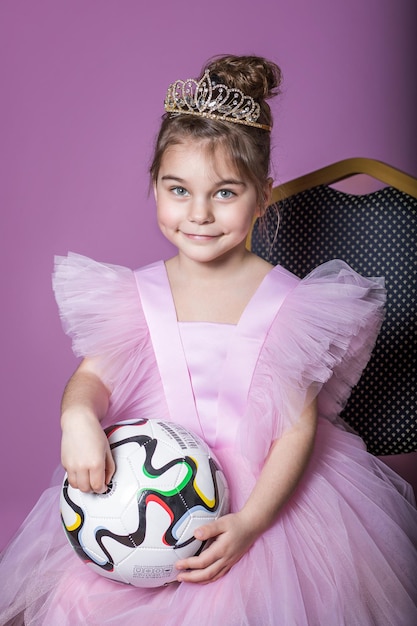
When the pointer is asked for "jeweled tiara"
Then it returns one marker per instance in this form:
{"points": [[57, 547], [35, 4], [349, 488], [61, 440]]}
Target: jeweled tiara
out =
{"points": [[209, 98]]}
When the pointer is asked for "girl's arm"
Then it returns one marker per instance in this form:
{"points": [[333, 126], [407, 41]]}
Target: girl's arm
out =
{"points": [[234, 534], [85, 451], [282, 471]]}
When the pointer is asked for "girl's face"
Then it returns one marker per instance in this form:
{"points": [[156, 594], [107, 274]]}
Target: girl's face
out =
{"points": [[204, 207]]}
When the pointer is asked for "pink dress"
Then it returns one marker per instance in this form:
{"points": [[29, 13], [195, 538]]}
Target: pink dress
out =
{"points": [[343, 549]]}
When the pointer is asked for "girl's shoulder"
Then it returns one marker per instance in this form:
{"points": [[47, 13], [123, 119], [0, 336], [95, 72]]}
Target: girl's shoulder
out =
{"points": [[98, 303], [327, 324], [332, 295]]}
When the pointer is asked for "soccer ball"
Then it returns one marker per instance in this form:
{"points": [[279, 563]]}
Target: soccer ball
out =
{"points": [[166, 484]]}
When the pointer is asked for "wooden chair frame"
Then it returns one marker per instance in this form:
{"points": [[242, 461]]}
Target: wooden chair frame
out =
{"points": [[344, 169], [339, 171]]}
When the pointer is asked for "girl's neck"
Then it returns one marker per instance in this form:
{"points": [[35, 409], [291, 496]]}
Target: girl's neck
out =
{"points": [[219, 270], [214, 292]]}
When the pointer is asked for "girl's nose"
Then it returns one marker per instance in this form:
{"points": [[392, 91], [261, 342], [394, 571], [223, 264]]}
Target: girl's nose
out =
{"points": [[200, 213]]}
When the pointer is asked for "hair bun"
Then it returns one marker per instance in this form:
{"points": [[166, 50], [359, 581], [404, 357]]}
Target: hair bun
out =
{"points": [[255, 76]]}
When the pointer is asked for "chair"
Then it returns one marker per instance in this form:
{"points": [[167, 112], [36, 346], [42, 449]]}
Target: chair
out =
{"points": [[309, 223]]}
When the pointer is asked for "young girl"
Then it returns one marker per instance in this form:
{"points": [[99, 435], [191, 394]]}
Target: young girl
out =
{"points": [[256, 362]]}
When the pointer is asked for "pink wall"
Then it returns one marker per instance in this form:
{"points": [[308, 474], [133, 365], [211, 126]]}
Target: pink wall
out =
{"points": [[82, 87]]}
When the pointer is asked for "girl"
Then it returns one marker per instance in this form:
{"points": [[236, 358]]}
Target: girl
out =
{"points": [[320, 532]]}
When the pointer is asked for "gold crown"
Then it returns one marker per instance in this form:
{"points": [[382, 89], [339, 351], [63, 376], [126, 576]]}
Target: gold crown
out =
{"points": [[208, 98]]}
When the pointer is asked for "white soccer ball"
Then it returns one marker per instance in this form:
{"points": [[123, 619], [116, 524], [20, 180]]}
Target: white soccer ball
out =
{"points": [[167, 483]]}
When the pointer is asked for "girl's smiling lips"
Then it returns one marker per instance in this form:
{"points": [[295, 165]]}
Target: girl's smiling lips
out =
{"points": [[199, 236]]}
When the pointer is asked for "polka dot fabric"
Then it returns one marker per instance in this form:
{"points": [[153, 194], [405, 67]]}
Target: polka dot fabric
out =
{"points": [[376, 235]]}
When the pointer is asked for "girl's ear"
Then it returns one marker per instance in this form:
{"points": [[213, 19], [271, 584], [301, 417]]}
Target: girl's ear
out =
{"points": [[268, 193], [155, 193]]}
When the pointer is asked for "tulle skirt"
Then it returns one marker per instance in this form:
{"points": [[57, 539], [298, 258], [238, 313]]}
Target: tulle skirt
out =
{"points": [[342, 551]]}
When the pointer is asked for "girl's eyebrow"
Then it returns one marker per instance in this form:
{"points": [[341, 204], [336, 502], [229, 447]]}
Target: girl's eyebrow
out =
{"points": [[231, 181], [171, 177], [218, 183]]}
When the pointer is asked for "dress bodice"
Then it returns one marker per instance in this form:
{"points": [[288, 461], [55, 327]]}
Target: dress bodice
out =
{"points": [[190, 394], [211, 341]]}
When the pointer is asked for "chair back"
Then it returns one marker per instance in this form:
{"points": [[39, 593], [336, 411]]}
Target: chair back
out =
{"points": [[376, 235]]}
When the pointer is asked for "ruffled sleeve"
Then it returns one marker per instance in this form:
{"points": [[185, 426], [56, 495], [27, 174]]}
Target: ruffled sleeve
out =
{"points": [[319, 343], [100, 310]]}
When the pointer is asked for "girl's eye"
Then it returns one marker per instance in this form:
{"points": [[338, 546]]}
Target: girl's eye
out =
{"points": [[225, 194], [179, 191]]}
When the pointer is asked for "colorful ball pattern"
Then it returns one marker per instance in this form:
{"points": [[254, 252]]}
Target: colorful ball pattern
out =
{"points": [[167, 483]]}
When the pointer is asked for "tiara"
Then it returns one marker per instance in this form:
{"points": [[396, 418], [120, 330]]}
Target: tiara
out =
{"points": [[208, 98]]}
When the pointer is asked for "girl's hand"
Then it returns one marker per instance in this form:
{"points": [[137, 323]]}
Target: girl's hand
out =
{"points": [[231, 538], [85, 452]]}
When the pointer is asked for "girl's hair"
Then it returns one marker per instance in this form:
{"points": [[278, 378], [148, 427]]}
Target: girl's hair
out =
{"points": [[248, 147]]}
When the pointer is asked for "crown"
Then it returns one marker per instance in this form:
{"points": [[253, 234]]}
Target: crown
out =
{"points": [[209, 98]]}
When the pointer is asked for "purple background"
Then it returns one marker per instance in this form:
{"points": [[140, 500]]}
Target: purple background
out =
{"points": [[82, 89]]}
